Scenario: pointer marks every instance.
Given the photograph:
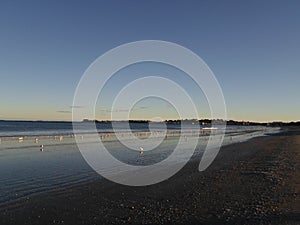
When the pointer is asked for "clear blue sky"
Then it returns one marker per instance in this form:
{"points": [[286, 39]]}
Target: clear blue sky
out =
{"points": [[253, 47]]}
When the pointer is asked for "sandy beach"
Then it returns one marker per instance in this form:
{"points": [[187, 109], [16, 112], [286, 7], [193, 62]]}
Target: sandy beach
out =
{"points": [[254, 182]]}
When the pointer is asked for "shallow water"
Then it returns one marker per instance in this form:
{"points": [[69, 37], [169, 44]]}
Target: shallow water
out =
{"points": [[26, 170]]}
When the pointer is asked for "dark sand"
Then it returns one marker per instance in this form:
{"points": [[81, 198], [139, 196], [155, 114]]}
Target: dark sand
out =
{"points": [[255, 182]]}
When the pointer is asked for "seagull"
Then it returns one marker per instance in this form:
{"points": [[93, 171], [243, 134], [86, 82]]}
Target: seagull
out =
{"points": [[141, 150]]}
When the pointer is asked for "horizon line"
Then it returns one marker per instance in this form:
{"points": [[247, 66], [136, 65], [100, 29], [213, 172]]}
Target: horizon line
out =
{"points": [[146, 120]]}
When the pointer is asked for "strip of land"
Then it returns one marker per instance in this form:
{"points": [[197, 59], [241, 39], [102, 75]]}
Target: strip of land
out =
{"points": [[255, 182]]}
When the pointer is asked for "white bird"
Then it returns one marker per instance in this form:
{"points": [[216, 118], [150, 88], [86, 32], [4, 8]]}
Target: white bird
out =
{"points": [[141, 150]]}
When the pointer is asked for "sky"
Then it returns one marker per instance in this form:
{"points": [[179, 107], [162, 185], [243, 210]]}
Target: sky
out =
{"points": [[252, 47]]}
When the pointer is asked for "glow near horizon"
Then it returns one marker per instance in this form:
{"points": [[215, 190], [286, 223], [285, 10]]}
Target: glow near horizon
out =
{"points": [[253, 49]]}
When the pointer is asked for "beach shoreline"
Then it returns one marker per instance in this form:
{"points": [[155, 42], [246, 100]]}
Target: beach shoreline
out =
{"points": [[253, 182]]}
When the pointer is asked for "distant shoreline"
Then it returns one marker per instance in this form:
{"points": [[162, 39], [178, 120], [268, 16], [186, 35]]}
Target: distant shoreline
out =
{"points": [[184, 121]]}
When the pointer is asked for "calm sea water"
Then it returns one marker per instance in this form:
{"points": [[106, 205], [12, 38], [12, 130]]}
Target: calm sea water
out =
{"points": [[30, 128], [38, 128], [25, 170]]}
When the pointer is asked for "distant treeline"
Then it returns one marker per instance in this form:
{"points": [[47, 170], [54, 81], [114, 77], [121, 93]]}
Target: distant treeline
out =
{"points": [[205, 122], [109, 121]]}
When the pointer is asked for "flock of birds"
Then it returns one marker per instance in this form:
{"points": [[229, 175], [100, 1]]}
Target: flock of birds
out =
{"points": [[36, 140]]}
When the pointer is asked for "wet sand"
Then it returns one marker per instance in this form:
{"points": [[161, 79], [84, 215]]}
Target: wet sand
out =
{"points": [[254, 182]]}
